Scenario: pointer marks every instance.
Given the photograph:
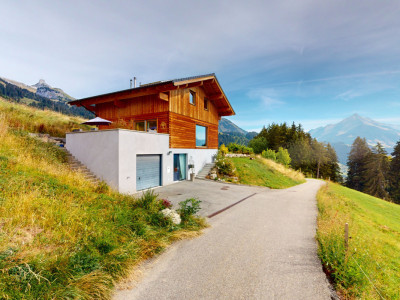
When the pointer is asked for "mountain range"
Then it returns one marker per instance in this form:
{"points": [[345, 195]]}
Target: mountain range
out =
{"points": [[229, 132], [341, 135], [40, 95]]}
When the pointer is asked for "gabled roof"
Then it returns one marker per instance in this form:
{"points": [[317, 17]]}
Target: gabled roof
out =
{"points": [[209, 82]]}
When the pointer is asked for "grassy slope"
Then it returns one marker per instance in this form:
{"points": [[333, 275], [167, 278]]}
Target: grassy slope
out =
{"points": [[61, 236], [263, 172], [375, 244]]}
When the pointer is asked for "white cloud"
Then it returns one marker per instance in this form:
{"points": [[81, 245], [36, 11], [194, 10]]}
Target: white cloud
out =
{"points": [[267, 97]]}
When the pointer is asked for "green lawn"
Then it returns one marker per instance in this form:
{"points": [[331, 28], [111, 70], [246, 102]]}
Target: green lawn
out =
{"points": [[374, 247], [256, 172]]}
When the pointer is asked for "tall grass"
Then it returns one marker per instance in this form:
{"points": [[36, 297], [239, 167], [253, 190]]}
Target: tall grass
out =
{"points": [[62, 237], [23, 117], [370, 268], [288, 172]]}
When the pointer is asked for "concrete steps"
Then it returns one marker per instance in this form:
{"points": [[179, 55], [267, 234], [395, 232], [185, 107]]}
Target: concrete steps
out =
{"points": [[76, 165], [205, 171]]}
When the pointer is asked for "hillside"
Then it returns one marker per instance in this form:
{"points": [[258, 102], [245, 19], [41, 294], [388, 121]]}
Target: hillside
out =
{"points": [[61, 236], [370, 269], [229, 132], [40, 95], [342, 134]]}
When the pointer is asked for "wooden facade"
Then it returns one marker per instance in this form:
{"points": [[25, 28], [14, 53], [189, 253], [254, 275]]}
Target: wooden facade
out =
{"points": [[168, 105]]}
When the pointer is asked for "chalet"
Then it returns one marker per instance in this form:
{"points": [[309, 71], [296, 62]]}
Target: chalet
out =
{"points": [[159, 130]]}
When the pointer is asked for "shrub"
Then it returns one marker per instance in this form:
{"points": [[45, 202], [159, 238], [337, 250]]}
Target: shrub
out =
{"points": [[188, 208], [258, 144], [225, 166], [149, 201], [283, 157], [269, 154], [223, 149]]}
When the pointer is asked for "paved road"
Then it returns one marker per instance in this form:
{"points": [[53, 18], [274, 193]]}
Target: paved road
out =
{"points": [[262, 248]]}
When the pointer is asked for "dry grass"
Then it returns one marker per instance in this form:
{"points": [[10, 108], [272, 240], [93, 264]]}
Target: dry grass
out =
{"points": [[288, 172]]}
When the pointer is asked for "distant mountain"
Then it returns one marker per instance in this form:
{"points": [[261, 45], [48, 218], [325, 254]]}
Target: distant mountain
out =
{"points": [[342, 135], [40, 95], [229, 132]]}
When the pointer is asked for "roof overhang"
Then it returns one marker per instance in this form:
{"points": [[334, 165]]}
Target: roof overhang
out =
{"points": [[208, 82]]}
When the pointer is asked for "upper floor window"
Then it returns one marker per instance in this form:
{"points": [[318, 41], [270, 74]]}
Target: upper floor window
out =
{"points": [[205, 103], [192, 99], [201, 136]]}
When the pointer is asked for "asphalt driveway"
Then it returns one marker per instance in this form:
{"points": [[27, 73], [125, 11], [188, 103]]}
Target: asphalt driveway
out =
{"points": [[262, 248]]}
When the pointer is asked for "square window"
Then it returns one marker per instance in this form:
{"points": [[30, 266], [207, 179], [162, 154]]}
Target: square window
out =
{"points": [[205, 103], [201, 136], [151, 125], [192, 99], [140, 126]]}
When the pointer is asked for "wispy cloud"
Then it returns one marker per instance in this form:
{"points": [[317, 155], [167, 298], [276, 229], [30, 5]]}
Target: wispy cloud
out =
{"points": [[267, 97], [348, 95]]}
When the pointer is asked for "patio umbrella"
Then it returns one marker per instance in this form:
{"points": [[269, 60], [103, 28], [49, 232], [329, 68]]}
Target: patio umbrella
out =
{"points": [[97, 121]]}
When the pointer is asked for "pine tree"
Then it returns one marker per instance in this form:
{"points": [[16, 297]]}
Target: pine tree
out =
{"points": [[357, 162], [331, 169], [394, 174], [376, 172]]}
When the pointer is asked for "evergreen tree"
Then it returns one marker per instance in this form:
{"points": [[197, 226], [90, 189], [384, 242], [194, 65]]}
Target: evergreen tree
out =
{"points": [[331, 169], [376, 172], [357, 163], [394, 174]]}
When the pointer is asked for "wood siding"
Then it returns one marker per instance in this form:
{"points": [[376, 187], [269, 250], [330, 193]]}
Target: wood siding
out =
{"points": [[179, 103], [183, 132]]}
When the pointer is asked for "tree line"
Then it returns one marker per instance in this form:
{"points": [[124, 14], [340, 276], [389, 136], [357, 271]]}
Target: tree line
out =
{"points": [[373, 171], [313, 158]]}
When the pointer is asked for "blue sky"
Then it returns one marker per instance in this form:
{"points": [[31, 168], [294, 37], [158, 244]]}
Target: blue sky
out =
{"points": [[311, 61]]}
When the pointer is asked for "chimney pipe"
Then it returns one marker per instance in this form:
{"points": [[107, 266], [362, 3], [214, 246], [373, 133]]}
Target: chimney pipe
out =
{"points": [[134, 81], [131, 83]]}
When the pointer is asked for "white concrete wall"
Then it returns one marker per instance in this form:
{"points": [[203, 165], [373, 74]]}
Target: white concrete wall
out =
{"points": [[132, 143], [111, 155], [98, 151], [198, 157]]}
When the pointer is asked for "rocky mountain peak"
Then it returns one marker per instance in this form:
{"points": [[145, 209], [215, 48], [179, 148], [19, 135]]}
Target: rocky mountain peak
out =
{"points": [[41, 83]]}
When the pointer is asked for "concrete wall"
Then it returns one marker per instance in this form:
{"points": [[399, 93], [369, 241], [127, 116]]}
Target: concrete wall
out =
{"points": [[111, 155], [98, 151], [132, 143]]}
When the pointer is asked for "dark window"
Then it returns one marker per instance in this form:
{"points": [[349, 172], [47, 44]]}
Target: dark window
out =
{"points": [[192, 99], [201, 136], [205, 103]]}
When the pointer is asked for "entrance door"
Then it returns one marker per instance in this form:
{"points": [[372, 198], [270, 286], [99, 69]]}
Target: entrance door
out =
{"points": [[148, 171], [179, 167]]}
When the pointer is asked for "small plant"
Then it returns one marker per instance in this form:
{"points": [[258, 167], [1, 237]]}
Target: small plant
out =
{"points": [[166, 203], [188, 208], [225, 166], [223, 150]]}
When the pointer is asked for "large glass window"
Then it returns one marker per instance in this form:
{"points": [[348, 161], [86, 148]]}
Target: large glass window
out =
{"points": [[201, 136]]}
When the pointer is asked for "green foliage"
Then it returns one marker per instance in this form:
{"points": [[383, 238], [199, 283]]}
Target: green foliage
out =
{"points": [[223, 149], [236, 148], [189, 208], [283, 157], [269, 154], [224, 166], [306, 153], [259, 144], [394, 174]]}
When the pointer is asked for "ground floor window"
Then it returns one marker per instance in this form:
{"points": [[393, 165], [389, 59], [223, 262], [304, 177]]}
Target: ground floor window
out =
{"points": [[201, 136], [147, 125], [179, 167]]}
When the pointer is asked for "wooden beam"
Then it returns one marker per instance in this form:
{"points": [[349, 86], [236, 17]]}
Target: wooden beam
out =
{"points": [[194, 80], [190, 85], [119, 104], [216, 97], [163, 96]]}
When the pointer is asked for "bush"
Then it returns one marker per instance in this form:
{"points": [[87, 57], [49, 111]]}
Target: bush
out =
{"points": [[225, 166], [283, 157], [188, 208], [223, 149], [258, 144], [236, 148], [269, 154]]}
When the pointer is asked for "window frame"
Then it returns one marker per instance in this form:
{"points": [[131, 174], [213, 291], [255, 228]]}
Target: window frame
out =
{"points": [[206, 136], [192, 97]]}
